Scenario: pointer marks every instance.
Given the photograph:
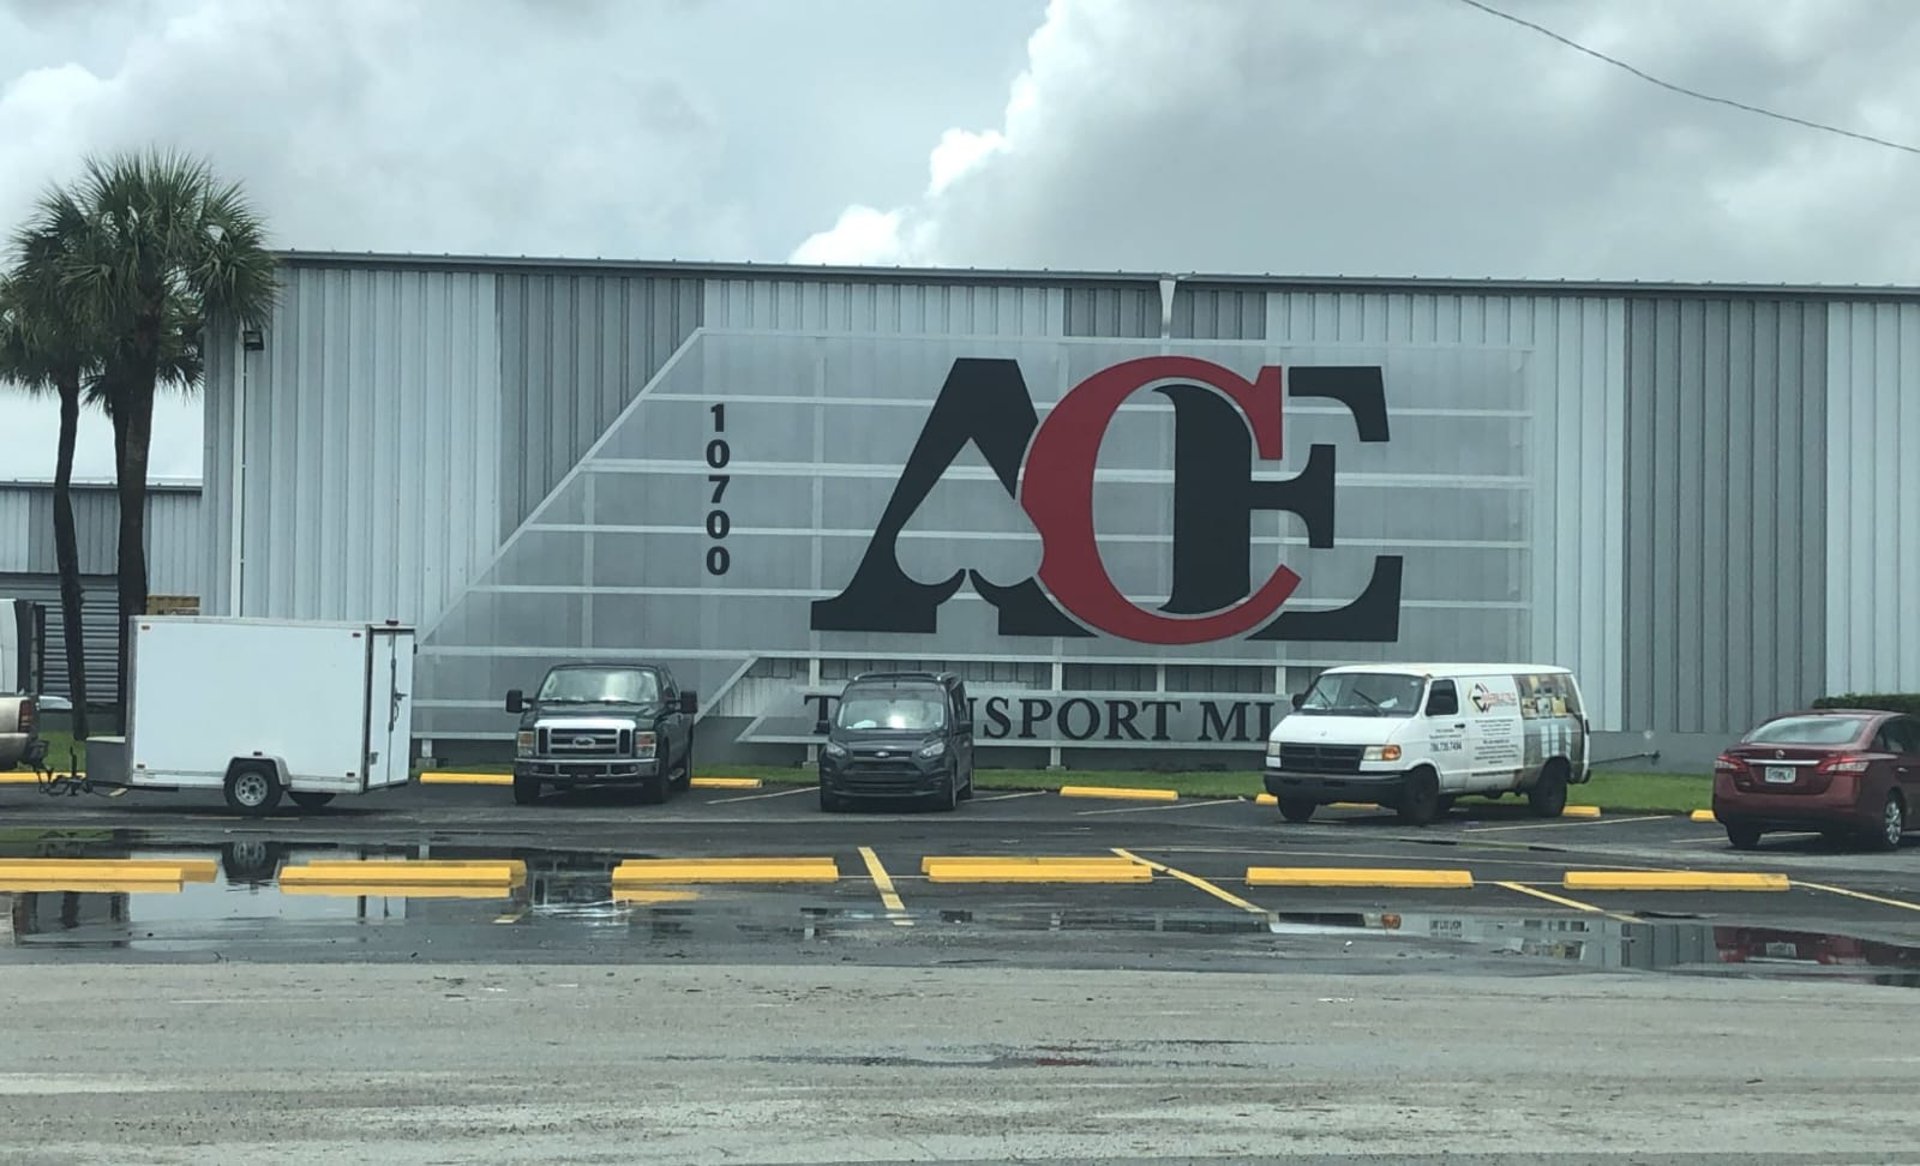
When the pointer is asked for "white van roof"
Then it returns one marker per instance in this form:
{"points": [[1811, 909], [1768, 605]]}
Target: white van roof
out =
{"points": [[1457, 669]]}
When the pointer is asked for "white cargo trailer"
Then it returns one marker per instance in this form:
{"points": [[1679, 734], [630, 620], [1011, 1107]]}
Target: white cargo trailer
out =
{"points": [[263, 708]]}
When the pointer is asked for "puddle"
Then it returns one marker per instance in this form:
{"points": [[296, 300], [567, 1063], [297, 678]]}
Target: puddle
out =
{"points": [[567, 897]]}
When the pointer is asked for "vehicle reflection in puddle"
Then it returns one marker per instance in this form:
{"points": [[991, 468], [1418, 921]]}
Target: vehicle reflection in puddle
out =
{"points": [[244, 900]]}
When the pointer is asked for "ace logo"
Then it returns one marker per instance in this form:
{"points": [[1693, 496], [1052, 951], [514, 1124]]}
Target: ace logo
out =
{"points": [[1220, 421]]}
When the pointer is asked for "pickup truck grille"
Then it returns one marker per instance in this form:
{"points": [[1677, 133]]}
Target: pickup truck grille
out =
{"points": [[565, 743]]}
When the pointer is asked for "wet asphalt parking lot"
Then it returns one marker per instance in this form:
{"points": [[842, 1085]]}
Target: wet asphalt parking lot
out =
{"points": [[1189, 896]]}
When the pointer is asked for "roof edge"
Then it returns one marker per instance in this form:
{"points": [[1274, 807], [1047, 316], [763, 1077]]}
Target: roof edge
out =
{"points": [[1265, 281]]}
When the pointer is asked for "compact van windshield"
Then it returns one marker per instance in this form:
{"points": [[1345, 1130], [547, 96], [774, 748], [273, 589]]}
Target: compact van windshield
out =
{"points": [[600, 686], [911, 710], [1364, 694]]}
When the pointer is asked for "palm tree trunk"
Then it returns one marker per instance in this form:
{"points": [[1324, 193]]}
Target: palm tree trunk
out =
{"points": [[66, 547], [133, 424]]}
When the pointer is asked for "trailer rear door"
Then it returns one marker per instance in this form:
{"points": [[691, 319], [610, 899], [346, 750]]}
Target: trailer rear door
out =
{"points": [[389, 707]]}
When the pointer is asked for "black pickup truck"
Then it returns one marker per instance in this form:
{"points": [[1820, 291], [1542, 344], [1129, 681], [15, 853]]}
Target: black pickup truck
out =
{"points": [[604, 724]]}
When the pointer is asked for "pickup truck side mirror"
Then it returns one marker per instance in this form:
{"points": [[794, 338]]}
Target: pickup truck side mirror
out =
{"points": [[1299, 698], [822, 727], [516, 700], [689, 702]]}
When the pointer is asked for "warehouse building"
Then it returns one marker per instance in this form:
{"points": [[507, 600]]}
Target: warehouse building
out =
{"points": [[1133, 512], [29, 567]]}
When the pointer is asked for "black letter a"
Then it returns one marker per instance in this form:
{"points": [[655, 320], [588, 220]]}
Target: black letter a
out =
{"points": [[984, 402]]}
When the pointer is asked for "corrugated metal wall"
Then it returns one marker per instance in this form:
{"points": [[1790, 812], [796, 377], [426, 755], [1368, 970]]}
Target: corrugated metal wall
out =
{"points": [[574, 349], [1726, 518], [372, 444], [1577, 382], [29, 565], [1871, 564], [1695, 551], [960, 308]]}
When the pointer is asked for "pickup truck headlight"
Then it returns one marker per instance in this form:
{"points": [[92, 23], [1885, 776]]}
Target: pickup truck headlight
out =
{"points": [[931, 750], [644, 745], [523, 743], [1382, 753]]}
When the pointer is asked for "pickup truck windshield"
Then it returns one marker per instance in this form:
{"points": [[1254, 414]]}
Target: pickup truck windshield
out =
{"points": [[905, 711], [1364, 694], [599, 686]]}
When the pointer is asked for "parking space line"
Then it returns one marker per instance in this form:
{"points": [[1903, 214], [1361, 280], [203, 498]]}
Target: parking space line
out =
{"points": [[1831, 890], [883, 882], [1193, 880], [1149, 809], [1563, 901], [1025, 793], [1560, 825], [779, 793]]}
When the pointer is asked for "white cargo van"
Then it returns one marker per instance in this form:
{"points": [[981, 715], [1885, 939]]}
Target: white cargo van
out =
{"points": [[1416, 736]]}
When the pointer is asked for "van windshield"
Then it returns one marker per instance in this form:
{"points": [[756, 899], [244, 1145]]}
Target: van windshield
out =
{"points": [[1364, 694], [902, 710]]}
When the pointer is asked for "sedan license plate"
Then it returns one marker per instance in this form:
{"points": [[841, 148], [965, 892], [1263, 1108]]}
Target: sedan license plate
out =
{"points": [[1780, 774]]}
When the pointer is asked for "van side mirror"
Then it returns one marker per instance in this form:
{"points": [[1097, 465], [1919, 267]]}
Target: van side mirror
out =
{"points": [[516, 700], [689, 702], [1299, 698]]}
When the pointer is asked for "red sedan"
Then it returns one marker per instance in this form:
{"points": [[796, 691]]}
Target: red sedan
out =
{"points": [[1847, 773]]}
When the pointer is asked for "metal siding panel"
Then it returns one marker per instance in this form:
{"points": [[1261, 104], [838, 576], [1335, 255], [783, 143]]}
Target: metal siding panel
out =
{"points": [[1730, 633], [1113, 311], [16, 527], [42, 554], [1716, 601], [1687, 501], [575, 350], [1642, 345], [1812, 530], [373, 436]]}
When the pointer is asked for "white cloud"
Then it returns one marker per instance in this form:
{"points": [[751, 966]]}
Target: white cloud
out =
{"points": [[1331, 137], [698, 129]]}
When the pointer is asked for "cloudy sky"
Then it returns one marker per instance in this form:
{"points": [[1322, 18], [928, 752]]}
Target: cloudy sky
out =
{"points": [[1378, 137]]}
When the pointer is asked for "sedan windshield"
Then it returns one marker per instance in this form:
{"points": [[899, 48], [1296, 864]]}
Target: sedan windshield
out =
{"points": [[1364, 694], [600, 686], [904, 711], [1809, 731]]}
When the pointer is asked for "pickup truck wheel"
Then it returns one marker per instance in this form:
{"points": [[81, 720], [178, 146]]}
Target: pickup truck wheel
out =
{"points": [[310, 801], [253, 790], [655, 790], [526, 790], [683, 777]]}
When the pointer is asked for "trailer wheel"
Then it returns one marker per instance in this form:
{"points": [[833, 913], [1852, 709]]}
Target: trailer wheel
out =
{"points": [[309, 801], [253, 790]]}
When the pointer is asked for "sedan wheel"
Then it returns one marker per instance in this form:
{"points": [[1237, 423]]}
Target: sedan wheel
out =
{"points": [[1893, 823]]}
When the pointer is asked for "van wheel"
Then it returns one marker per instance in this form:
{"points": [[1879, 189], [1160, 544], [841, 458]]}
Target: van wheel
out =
{"points": [[1548, 797], [948, 799], [1446, 804], [253, 790], [1297, 809], [1420, 802]]}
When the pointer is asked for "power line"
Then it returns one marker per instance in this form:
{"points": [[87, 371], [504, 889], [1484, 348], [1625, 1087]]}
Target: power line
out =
{"points": [[1682, 89]]}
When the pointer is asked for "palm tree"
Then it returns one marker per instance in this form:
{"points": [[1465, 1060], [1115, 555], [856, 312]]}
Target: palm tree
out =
{"points": [[43, 350], [162, 246]]}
